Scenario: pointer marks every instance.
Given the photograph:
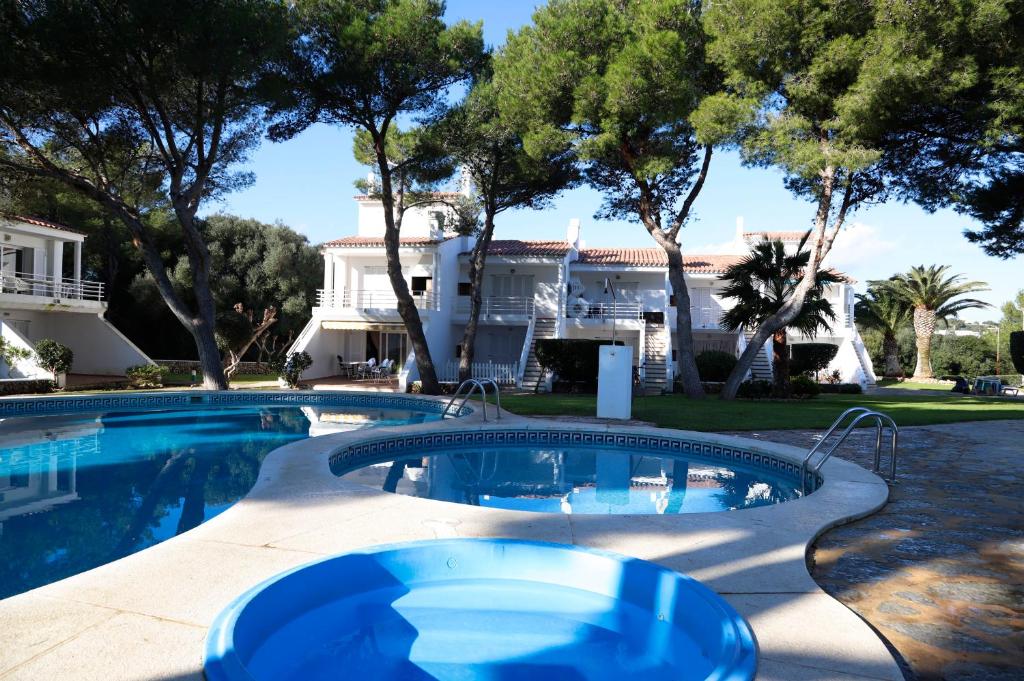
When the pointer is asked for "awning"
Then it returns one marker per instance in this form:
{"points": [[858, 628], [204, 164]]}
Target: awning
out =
{"points": [[360, 326]]}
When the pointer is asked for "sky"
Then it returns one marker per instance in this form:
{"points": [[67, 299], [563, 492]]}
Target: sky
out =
{"points": [[307, 184]]}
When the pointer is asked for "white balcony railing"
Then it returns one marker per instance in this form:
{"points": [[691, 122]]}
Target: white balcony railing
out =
{"points": [[50, 287], [498, 305], [580, 309], [370, 299]]}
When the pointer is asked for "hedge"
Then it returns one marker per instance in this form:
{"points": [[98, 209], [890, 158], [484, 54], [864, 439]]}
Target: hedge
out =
{"points": [[715, 365], [573, 360], [1017, 350], [811, 357]]}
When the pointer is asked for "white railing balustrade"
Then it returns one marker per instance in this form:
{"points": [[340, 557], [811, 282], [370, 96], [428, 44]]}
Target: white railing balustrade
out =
{"points": [[29, 284], [498, 305], [505, 373], [370, 299], [603, 310]]}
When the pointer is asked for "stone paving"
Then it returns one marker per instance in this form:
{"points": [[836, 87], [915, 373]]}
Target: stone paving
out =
{"points": [[939, 572]]}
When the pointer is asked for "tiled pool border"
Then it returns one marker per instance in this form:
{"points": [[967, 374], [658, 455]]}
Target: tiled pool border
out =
{"points": [[372, 450], [33, 406]]}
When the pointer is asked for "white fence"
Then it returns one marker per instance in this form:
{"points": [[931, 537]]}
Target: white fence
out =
{"points": [[505, 373], [370, 299]]}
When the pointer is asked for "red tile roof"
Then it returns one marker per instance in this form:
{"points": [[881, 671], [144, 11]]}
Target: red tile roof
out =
{"points": [[436, 195], [655, 257], [378, 242], [772, 236], [515, 248], [635, 257], [43, 223]]}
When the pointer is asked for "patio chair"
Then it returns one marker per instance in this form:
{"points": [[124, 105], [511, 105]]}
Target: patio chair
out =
{"points": [[364, 370], [383, 372], [342, 367]]}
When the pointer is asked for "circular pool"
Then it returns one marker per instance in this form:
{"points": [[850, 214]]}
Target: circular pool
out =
{"points": [[480, 609], [85, 480], [573, 471]]}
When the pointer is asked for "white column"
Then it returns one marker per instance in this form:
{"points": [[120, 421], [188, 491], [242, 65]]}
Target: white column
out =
{"points": [[328, 272], [78, 263]]}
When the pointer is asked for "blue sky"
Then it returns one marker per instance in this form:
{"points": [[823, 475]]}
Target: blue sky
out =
{"points": [[306, 183]]}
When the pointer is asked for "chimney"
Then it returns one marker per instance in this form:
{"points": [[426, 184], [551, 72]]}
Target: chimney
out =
{"points": [[572, 235], [465, 182], [371, 182]]}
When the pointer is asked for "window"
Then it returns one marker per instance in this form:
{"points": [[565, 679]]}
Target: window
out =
{"points": [[672, 300], [422, 284], [465, 288], [654, 317]]}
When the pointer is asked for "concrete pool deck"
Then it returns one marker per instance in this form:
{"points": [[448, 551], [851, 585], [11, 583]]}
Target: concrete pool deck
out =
{"points": [[146, 616]]}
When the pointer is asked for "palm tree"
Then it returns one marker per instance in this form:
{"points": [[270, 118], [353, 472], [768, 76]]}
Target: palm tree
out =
{"points": [[762, 282], [882, 310], [933, 297]]}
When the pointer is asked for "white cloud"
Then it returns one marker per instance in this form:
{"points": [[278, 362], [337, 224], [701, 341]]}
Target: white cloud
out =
{"points": [[858, 244]]}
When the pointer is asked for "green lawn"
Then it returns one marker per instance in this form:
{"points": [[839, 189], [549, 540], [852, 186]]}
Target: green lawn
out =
{"points": [[910, 385], [713, 414]]}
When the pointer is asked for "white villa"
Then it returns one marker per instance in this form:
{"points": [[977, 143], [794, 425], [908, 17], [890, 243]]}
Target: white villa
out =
{"points": [[532, 290], [43, 295]]}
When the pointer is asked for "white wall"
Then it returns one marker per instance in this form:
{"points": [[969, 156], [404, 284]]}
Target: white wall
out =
{"points": [[99, 347], [418, 221]]}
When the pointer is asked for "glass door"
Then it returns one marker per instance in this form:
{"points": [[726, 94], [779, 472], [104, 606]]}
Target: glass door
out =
{"points": [[394, 345]]}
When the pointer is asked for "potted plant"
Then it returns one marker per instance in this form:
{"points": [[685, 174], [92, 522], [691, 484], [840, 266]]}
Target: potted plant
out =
{"points": [[56, 358]]}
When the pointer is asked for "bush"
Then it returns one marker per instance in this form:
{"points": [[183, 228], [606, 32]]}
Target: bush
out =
{"points": [[809, 358], [54, 357], [573, 360], [1017, 350], [755, 390], [963, 355], [146, 375], [715, 365], [841, 388], [293, 366], [804, 386]]}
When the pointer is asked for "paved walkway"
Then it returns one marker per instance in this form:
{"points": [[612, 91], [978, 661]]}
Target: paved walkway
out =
{"points": [[940, 570]]}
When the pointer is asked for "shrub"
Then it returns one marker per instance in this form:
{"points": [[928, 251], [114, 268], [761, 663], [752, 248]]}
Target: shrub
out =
{"points": [[1017, 350], [715, 365], [54, 357], [841, 388], [755, 390], [573, 360], [963, 355], [146, 375], [804, 386], [809, 358], [293, 366]]}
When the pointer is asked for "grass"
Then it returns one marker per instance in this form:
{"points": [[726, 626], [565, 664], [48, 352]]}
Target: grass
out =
{"points": [[911, 385], [712, 414]]}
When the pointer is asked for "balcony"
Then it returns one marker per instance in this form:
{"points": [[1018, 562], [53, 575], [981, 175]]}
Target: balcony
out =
{"points": [[600, 311], [53, 288], [370, 299], [498, 306]]}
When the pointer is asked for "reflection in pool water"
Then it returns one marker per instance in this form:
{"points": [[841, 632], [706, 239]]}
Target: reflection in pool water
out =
{"points": [[578, 480], [81, 490]]}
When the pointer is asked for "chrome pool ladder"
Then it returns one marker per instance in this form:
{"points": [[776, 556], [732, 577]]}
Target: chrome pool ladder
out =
{"points": [[470, 385], [882, 421]]}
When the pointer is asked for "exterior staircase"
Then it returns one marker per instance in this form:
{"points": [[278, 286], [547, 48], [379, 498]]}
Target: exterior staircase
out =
{"points": [[533, 375], [655, 350], [761, 369]]}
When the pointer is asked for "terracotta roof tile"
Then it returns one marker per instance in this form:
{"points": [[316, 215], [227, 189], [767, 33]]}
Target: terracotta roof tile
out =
{"points": [[43, 223], [709, 264], [378, 242], [515, 248], [437, 195], [635, 257]]}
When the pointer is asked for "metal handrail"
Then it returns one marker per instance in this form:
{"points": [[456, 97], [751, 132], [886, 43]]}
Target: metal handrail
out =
{"points": [[861, 413], [475, 384]]}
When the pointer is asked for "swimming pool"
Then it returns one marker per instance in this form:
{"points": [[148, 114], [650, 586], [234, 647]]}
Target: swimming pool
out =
{"points": [[85, 481], [573, 472]]}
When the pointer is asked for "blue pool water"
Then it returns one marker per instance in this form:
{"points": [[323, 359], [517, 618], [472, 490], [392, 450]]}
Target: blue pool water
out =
{"points": [[80, 490], [578, 480], [480, 610]]}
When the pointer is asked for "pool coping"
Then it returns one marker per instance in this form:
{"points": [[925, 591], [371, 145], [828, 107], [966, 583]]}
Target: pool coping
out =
{"points": [[146, 615]]}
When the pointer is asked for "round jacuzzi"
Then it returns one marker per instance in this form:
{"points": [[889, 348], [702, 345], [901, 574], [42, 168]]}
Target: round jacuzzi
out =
{"points": [[473, 609], [573, 471]]}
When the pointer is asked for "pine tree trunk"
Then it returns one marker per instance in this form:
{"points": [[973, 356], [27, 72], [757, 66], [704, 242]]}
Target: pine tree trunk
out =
{"points": [[406, 306], [924, 327], [891, 352], [780, 363], [686, 361], [477, 261]]}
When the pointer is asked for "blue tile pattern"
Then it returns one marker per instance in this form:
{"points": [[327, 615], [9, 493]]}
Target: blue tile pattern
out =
{"points": [[383, 449], [161, 400]]}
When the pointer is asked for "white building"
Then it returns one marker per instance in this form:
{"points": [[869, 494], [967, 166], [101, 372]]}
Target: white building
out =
{"points": [[532, 290], [43, 295]]}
